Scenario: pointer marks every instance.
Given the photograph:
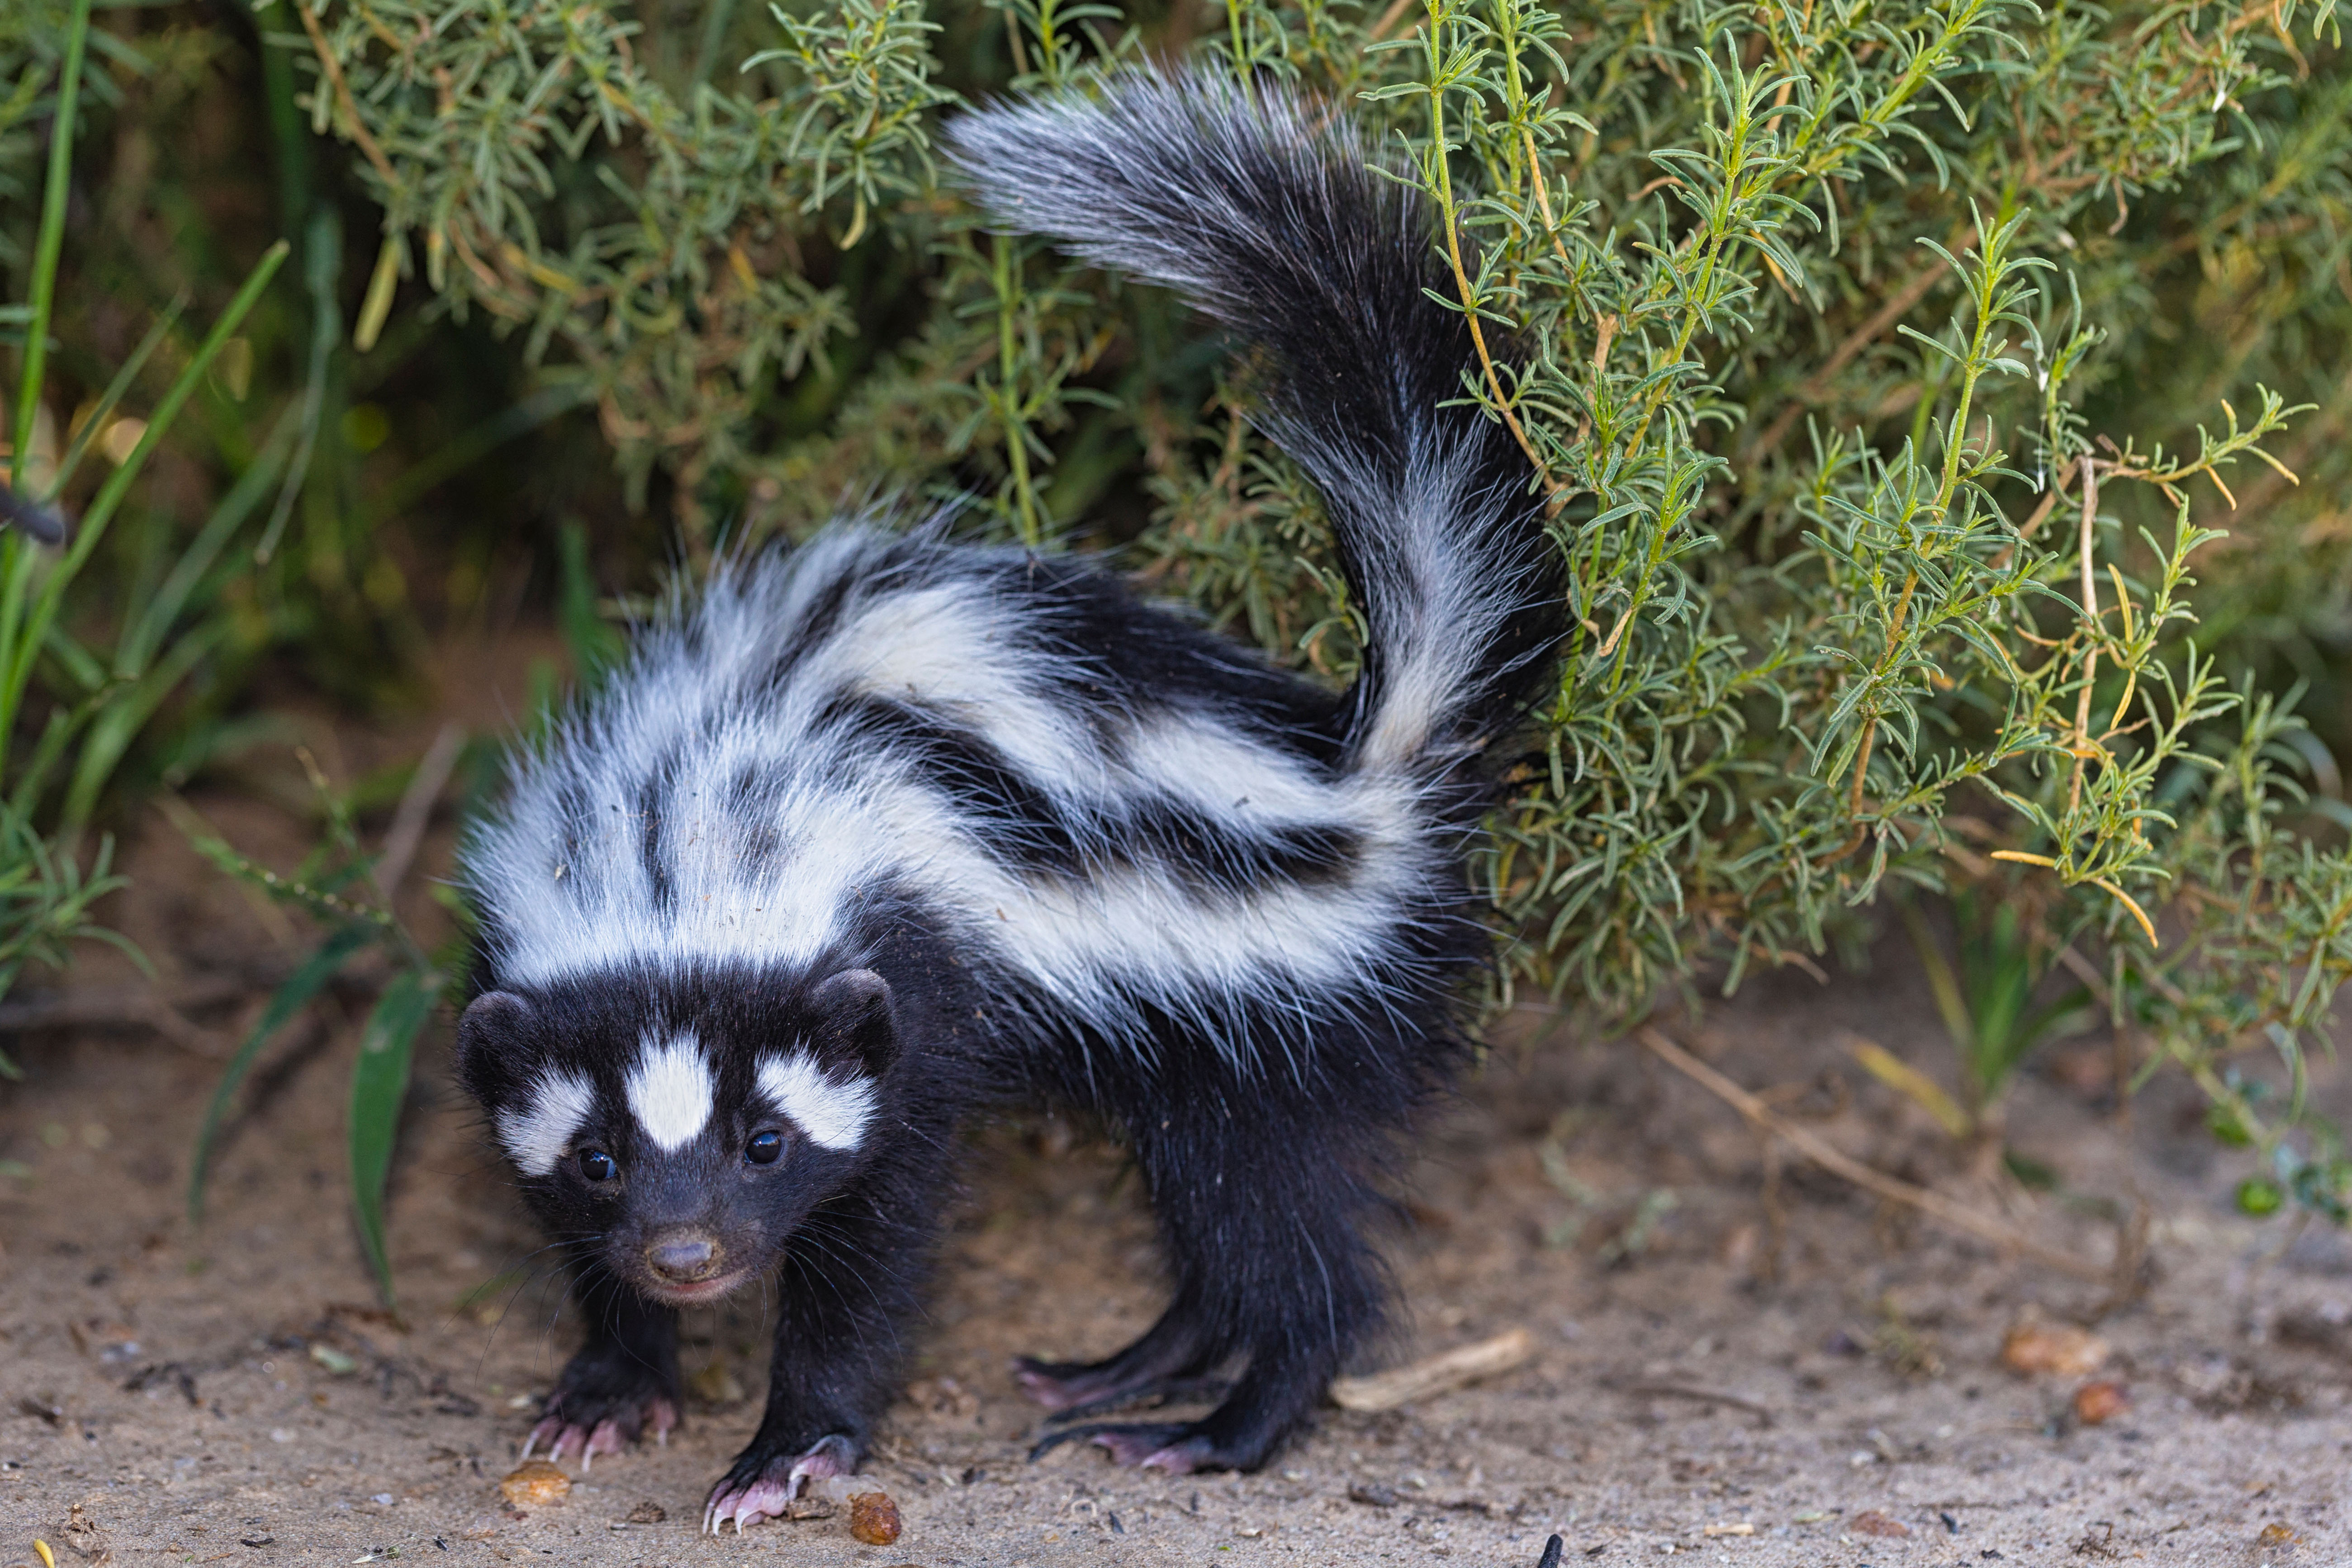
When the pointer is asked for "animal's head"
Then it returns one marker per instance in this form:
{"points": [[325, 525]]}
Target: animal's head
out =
{"points": [[679, 1132]]}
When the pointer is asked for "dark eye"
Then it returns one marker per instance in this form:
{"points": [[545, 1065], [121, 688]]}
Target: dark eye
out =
{"points": [[596, 1165], [764, 1148]]}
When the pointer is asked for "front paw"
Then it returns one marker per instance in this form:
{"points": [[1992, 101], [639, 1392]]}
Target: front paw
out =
{"points": [[763, 1482], [604, 1401]]}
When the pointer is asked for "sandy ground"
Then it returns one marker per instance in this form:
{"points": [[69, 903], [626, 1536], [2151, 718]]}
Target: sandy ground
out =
{"points": [[233, 1395]]}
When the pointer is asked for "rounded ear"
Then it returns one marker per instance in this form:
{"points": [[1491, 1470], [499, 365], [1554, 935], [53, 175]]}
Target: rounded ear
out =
{"points": [[491, 1021], [855, 1019]]}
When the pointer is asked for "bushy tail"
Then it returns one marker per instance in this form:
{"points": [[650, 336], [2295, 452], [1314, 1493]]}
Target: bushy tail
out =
{"points": [[1261, 210]]}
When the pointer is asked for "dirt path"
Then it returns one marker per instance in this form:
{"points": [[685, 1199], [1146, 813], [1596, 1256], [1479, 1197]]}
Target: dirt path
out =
{"points": [[233, 1397]]}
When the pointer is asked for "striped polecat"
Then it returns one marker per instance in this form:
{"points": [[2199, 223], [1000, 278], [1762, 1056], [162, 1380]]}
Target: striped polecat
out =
{"points": [[887, 829]]}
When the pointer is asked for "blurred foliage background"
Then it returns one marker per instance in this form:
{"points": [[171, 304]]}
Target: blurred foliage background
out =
{"points": [[1942, 406]]}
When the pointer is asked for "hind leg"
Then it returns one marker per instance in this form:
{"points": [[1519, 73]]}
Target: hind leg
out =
{"points": [[1263, 1218]]}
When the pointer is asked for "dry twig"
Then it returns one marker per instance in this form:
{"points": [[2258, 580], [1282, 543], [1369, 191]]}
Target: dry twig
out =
{"points": [[1960, 1216], [1438, 1374], [122, 1006], [416, 810]]}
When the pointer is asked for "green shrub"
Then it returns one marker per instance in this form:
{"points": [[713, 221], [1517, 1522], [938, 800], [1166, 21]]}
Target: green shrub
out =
{"points": [[1893, 371], [1850, 343]]}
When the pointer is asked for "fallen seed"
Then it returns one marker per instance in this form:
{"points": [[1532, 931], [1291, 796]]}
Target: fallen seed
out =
{"points": [[2099, 1402], [873, 1519]]}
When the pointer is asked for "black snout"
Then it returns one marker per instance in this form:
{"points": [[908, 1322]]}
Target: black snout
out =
{"points": [[683, 1256]]}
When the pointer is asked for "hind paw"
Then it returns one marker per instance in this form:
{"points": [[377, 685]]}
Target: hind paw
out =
{"points": [[1072, 1391], [1164, 1392]]}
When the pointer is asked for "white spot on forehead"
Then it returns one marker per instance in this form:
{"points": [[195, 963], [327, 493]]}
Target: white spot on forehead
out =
{"points": [[670, 1090], [537, 1135], [833, 1112]]}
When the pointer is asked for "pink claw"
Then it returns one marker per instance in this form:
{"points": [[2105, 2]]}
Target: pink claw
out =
{"points": [[1047, 1390], [548, 1429], [761, 1500], [604, 1439], [1134, 1449], [1127, 1449], [818, 1464]]}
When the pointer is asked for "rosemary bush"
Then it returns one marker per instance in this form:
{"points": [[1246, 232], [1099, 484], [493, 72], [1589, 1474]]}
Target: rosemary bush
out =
{"points": [[1941, 408], [1892, 371]]}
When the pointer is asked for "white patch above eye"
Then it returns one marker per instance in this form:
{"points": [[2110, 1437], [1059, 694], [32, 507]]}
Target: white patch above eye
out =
{"points": [[670, 1090], [538, 1135], [833, 1112]]}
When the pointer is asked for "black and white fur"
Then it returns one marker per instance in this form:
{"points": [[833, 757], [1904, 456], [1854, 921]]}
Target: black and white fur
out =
{"points": [[887, 829]]}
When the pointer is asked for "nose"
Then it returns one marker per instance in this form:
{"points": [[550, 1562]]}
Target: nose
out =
{"points": [[683, 1256]]}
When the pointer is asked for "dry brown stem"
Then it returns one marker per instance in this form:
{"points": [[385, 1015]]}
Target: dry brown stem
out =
{"points": [[416, 810], [2091, 624], [334, 70], [1817, 385], [1437, 1375], [1960, 1216]]}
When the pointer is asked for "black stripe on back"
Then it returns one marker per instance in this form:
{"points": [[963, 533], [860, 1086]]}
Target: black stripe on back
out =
{"points": [[1015, 820]]}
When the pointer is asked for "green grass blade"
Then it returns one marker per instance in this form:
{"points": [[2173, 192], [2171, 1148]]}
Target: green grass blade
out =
{"points": [[475, 444], [118, 484], [119, 720], [51, 244], [594, 645], [289, 131], [1950, 1004], [95, 425], [289, 998], [33, 773], [322, 246], [22, 643], [145, 634], [378, 1084]]}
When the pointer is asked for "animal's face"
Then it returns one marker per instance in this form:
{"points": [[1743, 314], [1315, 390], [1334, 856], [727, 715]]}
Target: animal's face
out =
{"points": [[680, 1134]]}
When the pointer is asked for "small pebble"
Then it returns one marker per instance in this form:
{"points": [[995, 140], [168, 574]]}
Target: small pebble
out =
{"points": [[535, 1483], [873, 1519], [2031, 1347]]}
